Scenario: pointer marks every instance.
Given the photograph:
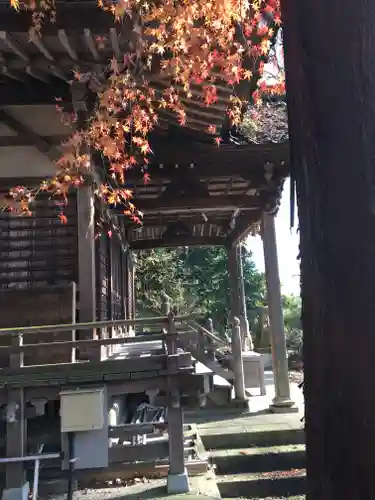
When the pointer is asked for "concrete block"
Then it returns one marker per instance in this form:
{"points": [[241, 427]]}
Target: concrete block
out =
{"points": [[21, 493], [178, 483]]}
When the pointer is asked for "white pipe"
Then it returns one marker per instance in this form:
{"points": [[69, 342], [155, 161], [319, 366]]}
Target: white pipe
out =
{"points": [[30, 458], [36, 475]]}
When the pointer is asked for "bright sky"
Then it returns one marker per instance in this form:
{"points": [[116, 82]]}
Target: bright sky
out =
{"points": [[287, 247]]}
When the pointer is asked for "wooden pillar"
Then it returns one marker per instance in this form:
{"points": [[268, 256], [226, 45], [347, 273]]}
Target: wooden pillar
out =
{"points": [[86, 262], [279, 358], [123, 283], [16, 487], [178, 481], [131, 261], [210, 344], [237, 362], [237, 294], [244, 322], [233, 284], [165, 304], [111, 272]]}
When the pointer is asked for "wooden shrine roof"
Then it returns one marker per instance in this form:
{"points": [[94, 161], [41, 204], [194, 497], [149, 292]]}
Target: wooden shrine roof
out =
{"points": [[84, 39], [198, 193], [201, 194]]}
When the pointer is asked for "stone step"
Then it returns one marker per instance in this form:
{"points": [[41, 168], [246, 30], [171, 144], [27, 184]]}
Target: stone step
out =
{"points": [[227, 438], [221, 393], [289, 497], [254, 459], [269, 485]]}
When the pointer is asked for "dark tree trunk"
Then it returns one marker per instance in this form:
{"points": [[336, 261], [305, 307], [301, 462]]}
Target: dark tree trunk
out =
{"points": [[330, 61]]}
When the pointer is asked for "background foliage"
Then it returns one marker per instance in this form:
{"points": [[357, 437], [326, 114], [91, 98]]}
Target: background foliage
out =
{"points": [[196, 279]]}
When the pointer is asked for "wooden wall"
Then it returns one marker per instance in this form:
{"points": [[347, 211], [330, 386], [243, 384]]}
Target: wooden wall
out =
{"points": [[39, 250], [112, 277], [39, 262]]}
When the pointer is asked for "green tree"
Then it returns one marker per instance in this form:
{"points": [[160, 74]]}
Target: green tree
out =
{"points": [[293, 322], [197, 280], [157, 272]]}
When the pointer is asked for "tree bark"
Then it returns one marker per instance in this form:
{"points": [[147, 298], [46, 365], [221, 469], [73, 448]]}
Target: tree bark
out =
{"points": [[330, 70]]}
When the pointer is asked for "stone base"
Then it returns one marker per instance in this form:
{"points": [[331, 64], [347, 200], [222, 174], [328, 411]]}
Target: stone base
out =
{"points": [[177, 483], [21, 493], [240, 404], [283, 409]]}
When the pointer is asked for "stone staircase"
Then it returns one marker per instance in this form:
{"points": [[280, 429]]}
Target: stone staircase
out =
{"points": [[266, 462]]}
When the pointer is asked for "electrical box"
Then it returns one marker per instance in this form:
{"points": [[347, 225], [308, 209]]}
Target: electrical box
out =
{"points": [[84, 414], [82, 410]]}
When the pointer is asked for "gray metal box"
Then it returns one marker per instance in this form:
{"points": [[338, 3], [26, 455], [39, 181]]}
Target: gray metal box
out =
{"points": [[90, 446]]}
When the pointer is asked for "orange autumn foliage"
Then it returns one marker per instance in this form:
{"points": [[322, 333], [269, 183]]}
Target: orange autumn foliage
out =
{"points": [[198, 42]]}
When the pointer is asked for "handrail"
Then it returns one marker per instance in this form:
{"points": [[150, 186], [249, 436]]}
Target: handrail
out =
{"points": [[83, 343], [209, 334], [161, 320]]}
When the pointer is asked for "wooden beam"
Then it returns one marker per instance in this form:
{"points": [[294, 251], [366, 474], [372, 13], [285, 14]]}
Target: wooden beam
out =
{"points": [[13, 46], [35, 73], [13, 75], [191, 204], [89, 40], [64, 40], [243, 227], [17, 140], [71, 16], [210, 219], [18, 94], [37, 41], [40, 143], [180, 241], [115, 43], [210, 161]]}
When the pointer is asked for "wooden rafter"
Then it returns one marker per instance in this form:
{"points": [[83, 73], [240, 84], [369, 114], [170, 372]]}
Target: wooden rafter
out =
{"points": [[41, 144], [18, 140], [178, 241], [70, 17], [194, 204], [243, 227]]}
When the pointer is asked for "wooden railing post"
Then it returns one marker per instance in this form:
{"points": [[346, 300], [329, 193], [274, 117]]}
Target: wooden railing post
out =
{"points": [[237, 362], [15, 477], [165, 304], [171, 335], [210, 343], [177, 476]]}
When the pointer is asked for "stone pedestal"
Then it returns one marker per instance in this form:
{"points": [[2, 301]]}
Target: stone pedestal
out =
{"points": [[253, 368]]}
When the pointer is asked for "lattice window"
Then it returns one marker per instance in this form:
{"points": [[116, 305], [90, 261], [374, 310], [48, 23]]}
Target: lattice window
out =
{"points": [[38, 250]]}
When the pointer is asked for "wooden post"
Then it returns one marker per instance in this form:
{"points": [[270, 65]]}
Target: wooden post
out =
{"points": [[132, 259], [201, 340], [210, 344], [165, 304], [86, 263], [178, 481], [86, 231], [245, 328], [233, 284], [16, 427], [172, 335], [74, 320], [237, 292], [110, 303], [279, 358], [237, 362]]}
